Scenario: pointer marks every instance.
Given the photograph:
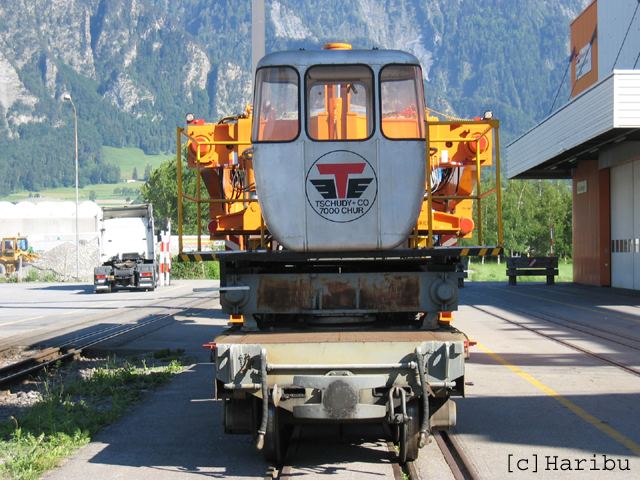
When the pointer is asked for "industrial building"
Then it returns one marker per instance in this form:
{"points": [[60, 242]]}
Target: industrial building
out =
{"points": [[594, 140], [48, 224]]}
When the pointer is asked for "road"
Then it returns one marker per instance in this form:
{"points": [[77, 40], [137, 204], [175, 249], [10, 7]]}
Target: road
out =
{"points": [[45, 312]]}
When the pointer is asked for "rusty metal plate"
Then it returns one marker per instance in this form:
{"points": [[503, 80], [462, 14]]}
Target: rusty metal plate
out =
{"points": [[274, 291], [339, 293], [390, 292], [343, 337], [357, 293]]}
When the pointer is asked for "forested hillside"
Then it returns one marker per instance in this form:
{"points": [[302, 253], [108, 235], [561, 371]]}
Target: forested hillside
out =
{"points": [[135, 67]]}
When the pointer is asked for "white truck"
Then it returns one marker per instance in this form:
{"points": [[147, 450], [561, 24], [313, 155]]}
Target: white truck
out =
{"points": [[127, 249]]}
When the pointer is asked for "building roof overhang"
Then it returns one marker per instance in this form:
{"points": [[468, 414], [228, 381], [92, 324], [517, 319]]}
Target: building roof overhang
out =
{"points": [[606, 113]]}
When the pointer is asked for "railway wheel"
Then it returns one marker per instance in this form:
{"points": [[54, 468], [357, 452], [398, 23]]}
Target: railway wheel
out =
{"points": [[276, 438], [409, 432]]}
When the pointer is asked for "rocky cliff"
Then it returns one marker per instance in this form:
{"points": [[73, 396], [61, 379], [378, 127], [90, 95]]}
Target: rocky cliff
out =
{"points": [[135, 67]]}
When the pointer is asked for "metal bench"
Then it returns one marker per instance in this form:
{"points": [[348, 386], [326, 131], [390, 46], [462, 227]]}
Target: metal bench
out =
{"points": [[532, 266]]}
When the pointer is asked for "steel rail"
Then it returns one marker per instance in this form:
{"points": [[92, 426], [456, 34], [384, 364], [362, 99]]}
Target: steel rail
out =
{"points": [[74, 323], [632, 297], [542, 315], [26, 367], [285, 471], [461, 467], [566, 344]]}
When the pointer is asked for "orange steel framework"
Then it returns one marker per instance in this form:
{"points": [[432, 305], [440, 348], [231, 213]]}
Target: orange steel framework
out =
{"points": [[480, 137]]}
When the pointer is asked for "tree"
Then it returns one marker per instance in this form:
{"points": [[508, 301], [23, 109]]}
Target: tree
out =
{"points": [[161, 190], [529, 208], [135, 173], [92, 195], [147, 172], [517, 215], [553, 208]]}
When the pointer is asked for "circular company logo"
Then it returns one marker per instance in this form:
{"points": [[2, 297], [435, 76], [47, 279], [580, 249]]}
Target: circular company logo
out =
{"points": [[341, 186]]}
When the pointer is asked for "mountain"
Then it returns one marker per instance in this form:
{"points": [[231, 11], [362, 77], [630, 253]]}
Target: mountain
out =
{"points": [[134, 68]]}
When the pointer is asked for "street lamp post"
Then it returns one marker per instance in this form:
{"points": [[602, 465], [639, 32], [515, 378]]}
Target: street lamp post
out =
{"points": [[67, 97]]}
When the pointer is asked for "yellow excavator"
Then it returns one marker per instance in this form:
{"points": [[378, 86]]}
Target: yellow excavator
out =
{"points": [[14, 249]]}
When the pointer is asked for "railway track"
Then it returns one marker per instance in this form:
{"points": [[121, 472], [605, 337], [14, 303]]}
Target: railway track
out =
{"points": [[72, 349], [629, 342], [633, 342], [453, 454], [461, 466], [44, 332], [631, 297]]}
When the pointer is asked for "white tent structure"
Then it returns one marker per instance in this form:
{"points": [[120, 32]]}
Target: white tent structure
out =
{"points": [[48, 224]]}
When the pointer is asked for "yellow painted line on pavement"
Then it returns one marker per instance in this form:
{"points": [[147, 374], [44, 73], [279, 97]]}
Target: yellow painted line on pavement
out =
{"points": [[24, 320], [78, 310], [604, 312], [611, 432]]}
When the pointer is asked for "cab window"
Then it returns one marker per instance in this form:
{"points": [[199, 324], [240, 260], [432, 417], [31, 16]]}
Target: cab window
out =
{"points": [[276, 105], [339, 101], [402, 102]]}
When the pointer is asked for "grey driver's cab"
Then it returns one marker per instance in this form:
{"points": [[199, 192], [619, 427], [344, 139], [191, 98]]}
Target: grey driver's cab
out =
{"points": [[339, 147]]}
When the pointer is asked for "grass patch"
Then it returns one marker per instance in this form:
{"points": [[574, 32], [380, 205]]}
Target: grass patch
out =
{"points": [[129, 158], [167, 355], [103, 193], [71, 410], [32, 274], [125, 158], [494, 272]]}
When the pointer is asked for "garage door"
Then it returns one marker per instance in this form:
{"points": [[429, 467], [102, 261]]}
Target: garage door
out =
{"points": [[625, 226]]}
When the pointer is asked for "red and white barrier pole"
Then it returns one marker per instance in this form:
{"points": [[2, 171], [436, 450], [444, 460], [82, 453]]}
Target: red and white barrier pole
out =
{"points": [[232, 243], [551, 227], [161, 259], [167, 271]]}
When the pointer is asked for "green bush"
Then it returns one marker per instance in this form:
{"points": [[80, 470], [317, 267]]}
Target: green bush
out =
{"points": [[194, 270]]}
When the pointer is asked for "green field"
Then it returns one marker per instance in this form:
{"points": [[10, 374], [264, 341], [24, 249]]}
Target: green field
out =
{"points": [[129, 158], [126, 158], [494, 272]]}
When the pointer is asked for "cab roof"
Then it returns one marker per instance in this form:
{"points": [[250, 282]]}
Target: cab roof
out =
{"points": [[305, 58]]}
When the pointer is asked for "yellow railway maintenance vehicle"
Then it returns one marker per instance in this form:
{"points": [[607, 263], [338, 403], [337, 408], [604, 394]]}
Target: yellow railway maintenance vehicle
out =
{"points": [[343, 201]]}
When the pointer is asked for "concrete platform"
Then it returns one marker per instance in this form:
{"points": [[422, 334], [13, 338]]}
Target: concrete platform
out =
{"points": [[540, 409]]}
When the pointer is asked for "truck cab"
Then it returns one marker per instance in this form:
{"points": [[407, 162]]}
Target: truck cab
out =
{"points": [[127, 249]]}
